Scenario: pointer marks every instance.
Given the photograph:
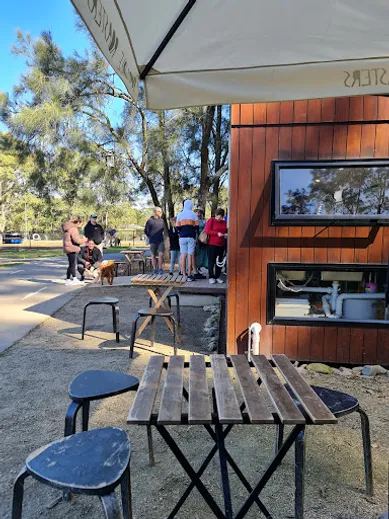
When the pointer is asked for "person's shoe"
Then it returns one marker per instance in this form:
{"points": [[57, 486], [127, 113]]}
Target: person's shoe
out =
{"points": [[212, 281], [76, 282], [82, 278], [68, 282], [191, 278], [155, 271], [170, 273], [160, 271], [199, 276], [220, 280]]}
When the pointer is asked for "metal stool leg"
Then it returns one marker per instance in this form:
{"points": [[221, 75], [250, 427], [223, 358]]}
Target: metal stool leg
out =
{"points": [[151, 446], [152, 332], [279, 438], [85, 415], [126, 494], [178, 309], [299, 449], [70, 417], [115, 319], [150, 302], [83, 322], [18, 492], [174, 323], [133, 334], [367, 457], [111, 506]]}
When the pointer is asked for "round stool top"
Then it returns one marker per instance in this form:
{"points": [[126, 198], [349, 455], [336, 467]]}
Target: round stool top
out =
{"points": [[154, 312], [96, 384], [89, 462], [337, 402], [104, 301]]}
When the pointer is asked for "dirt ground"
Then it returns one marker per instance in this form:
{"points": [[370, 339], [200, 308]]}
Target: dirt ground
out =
{"points": [[34, 376]]}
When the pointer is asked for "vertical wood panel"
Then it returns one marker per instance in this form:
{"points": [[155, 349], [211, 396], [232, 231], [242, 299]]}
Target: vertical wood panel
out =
{"points": [[243, 226], [343, 345], [369, 346]]}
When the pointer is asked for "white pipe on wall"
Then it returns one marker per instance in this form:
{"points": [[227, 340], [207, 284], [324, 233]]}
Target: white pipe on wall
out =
{"points": [[342, 297], [326, 307], [254, 331]]}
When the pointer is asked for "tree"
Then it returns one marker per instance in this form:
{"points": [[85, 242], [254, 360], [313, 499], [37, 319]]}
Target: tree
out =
{"points": [[74, 101]]}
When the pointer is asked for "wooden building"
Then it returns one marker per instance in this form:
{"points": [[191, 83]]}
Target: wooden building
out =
{"points": [[316, 130]]}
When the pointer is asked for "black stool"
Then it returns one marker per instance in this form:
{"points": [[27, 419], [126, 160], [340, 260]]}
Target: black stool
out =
{"points": [[113, 303], [153, 313], [340, 404], [92, 463], [127, 267], [169, 301]]}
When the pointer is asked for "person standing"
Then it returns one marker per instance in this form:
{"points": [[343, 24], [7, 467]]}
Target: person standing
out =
{"points": [[154, 230], [174, 244], [201, 248], [94, 231], [216, 228], [187, 224], [71, 241], [88, 260]]}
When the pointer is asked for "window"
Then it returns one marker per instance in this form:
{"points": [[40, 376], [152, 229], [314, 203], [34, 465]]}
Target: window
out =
{"points": [[334, 193], [318, 294]]}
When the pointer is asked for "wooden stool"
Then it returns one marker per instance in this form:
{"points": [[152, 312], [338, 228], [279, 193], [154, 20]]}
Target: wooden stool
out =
{"points": [[114, 304], [169, 300], [153, 313], [92, 463]]}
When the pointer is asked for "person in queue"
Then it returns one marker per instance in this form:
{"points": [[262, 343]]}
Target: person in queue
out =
{"points": [[216, 228], [155, 231]]}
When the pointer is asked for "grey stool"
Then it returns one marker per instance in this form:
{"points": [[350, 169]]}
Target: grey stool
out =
{"points": [[127, 267], [91, 463], [169, 301], [153, 313], [113, 302]]}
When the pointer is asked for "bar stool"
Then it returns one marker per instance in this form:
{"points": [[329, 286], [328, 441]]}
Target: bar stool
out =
{"points": [[113, 302], [340, 404], [153, 313], [169, 300], [91, 463]]}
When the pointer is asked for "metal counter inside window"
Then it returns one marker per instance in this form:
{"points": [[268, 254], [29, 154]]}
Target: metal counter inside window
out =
{"points": [[318, 294]]}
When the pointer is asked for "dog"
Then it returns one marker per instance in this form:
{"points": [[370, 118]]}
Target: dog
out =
{"points": [[107, 270]]}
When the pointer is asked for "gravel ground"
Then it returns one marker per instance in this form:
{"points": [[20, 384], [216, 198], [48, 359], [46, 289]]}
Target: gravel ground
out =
{"points": [[34, 376]]}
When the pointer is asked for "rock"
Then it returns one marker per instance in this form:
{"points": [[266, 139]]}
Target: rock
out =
{"points": [[357, 370], [210, 308], [372, 371], [318, 367], [211, 332], [301, 370], [346, 372]]}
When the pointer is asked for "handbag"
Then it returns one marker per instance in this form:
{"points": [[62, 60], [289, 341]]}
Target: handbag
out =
{"points": [[203, 237]]}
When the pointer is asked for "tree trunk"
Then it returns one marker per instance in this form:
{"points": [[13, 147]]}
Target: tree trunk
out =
{"points": [[169, 205], [204, 155]]}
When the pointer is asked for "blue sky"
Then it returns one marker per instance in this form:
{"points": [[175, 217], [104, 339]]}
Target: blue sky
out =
{"points": [[35, 16]]}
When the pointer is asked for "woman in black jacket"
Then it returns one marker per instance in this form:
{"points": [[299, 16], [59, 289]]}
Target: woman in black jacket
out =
{"points": [[174, 244]]}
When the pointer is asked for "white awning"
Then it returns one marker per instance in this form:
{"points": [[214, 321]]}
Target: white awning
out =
{"points": [[230, 51]]}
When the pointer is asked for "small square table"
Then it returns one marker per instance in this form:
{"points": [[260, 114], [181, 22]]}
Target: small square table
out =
{"points": [[226, 411]]}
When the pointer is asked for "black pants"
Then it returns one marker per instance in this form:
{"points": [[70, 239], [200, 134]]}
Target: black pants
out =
{"points": [[214, 253], [72, 259]]}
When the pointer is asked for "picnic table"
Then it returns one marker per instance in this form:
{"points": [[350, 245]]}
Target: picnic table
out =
{"points": [[153, 284], [225, 408], [134, 256]]}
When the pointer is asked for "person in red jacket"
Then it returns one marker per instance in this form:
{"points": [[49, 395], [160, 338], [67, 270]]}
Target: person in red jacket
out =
{"points": [[216, 228]]}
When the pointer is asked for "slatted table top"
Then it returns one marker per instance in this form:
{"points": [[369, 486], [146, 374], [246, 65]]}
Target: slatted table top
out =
{"points": [[159, 280], [229, 408]]}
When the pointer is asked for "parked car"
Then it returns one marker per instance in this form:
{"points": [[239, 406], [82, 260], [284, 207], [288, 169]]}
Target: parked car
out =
{"points": [[12, 237]]}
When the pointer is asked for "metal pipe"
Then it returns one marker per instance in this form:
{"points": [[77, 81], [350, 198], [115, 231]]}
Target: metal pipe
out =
{"points": [[254, 331], [326, 307]]}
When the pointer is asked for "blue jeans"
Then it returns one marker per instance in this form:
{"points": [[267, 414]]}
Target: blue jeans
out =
{"points": [[174, 258]]}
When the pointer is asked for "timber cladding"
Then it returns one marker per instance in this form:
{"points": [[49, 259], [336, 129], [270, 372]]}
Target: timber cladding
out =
{"points": [[344, 128]]}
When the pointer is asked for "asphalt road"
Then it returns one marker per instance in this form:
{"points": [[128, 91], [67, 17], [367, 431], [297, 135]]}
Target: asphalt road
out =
{"points": [[31, 292]]}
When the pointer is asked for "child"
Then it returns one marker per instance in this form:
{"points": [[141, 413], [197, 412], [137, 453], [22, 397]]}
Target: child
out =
{"points": [[174, 244]]}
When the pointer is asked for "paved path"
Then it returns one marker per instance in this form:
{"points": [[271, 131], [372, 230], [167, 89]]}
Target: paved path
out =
{"points": [[30, 293]]}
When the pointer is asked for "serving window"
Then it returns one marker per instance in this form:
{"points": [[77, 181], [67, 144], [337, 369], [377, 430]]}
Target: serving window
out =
{"points": [[330, 193], [320, 294]]}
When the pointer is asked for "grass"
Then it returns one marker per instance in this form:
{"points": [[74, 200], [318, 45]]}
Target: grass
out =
{"points": [[13, 264]]}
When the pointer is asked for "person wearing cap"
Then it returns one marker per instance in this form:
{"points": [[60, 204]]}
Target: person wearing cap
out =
{"points": [[94, 231]]}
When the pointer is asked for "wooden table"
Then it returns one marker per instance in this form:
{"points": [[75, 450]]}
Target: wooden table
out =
{"points": [[132, 256], [153, 284], [228, 408]]}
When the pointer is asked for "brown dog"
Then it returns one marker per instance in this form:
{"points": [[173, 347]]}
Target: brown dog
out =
{"points": [[107, 270]]}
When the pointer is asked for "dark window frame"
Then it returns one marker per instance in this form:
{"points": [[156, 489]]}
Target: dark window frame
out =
{"points": [[298, 321], [278, 219]]}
